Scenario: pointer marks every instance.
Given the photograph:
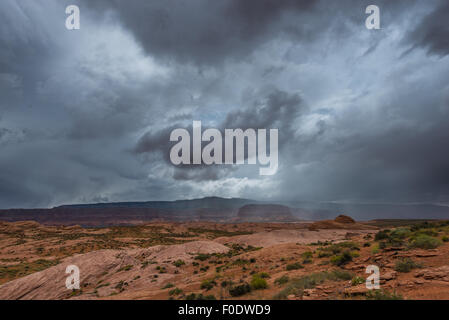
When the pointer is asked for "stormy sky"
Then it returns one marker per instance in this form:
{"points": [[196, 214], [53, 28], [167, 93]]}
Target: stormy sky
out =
{"points": [[86, 115]]}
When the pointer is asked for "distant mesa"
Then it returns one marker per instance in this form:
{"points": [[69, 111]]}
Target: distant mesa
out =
{"points": [[264, 212]]}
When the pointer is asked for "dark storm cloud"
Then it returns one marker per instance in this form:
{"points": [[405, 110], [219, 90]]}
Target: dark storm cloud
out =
{"points": [[206, 32], [273, 109], [432, 33], [86, 115]]}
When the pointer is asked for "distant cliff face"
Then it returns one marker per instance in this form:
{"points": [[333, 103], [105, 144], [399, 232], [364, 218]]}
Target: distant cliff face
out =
{"points": [[264, 212]]}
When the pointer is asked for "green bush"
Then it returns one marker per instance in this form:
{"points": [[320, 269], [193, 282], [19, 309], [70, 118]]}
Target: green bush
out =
{"points": [[281, 280], [406, 265], [425, 242], [200, 296], [307, 255], [258, 283], [382, 235], [341, 259], [357, 280], [445, 239], [240, 290], [175, 292], [307, 261], [208, 284], [168, 285], [294, 266], [202, 257], [400, 233], [178, 263]]}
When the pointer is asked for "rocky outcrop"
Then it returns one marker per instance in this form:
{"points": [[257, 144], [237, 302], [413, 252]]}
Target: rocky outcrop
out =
{"points": [[107, 272], [441, 273], [344, 219]]}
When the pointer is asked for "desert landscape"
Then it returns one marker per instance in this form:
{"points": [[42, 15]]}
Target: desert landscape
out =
{"points": [[209, 260]]}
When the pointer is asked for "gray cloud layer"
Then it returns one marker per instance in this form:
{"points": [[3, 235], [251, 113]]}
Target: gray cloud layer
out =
{"points": [[86, 115]]}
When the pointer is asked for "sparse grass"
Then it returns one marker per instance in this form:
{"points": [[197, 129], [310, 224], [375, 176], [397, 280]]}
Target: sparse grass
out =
{"points": [[406, 265], [382, 295], [125, 268], [296, 286], [337, 248], [25, 268]]}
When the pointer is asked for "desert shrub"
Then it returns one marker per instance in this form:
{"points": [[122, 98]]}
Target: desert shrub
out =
{"points": [[179, 263], [194, 296], [126, 268], [400, 233], [382, 235], [337, 249], [382, 295], [427, 232], [341, 259], [208, 284], [307, 255], [258, 283], [281, 280], [366, 245], [307, 261], [445, 239], [375, 249], [324, 254], [168, 285], [226, 283], [202, 257], [423, 241], [240, 262], [175, 292], [357, 280], [294, 266], [161, 269], [240, 290], [406, 265], [422, 225]]}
